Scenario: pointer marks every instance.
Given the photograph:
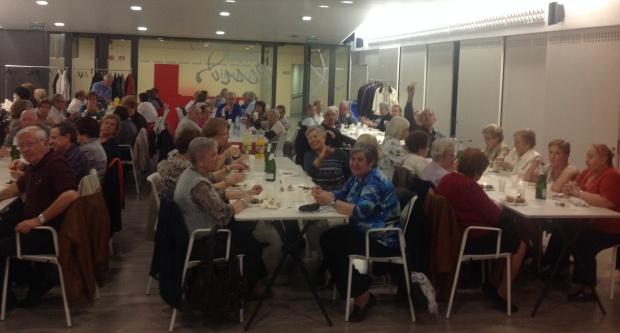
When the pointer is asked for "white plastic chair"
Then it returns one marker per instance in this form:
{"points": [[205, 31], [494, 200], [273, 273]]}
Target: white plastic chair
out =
{"points": [[279, 152], [193, 263], [399, 260], [45, 258], [132, 164], [613, 273], [481, 257], [153, 179]]}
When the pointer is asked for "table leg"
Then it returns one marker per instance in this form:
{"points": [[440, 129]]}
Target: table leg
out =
{"points": [[290, 249], [568, 243]]}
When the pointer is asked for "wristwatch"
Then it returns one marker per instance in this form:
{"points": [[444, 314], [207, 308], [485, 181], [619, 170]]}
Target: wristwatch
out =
{"points": [[333, 203], [41, 218]]}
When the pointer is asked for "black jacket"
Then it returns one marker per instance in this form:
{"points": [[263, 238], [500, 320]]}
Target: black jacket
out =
{"points": [[171, 240], [113, 188]]}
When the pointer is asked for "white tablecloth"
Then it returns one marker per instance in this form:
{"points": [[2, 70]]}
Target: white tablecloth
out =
{"points": [[536, 208], [5, 177], [354, 133], [288, 174]]}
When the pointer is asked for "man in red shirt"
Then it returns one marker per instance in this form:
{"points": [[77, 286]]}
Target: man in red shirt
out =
{"points": [[49, 187]]}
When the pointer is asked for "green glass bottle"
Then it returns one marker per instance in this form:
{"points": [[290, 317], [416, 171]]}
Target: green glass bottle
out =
{"points": [[270, 165], [15, 155], [541, 183]]}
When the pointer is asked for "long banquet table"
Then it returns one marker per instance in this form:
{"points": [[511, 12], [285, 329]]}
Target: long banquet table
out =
{"points": [[290, 189], [561, 211]]}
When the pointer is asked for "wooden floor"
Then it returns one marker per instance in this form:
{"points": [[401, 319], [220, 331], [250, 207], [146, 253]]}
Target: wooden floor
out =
{"points": [[124, 307]]}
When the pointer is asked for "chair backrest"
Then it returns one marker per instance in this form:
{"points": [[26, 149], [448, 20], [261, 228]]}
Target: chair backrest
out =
{"points": [[126, 151], [155, 179], [89, 184], [406, 214], [280, 145]]}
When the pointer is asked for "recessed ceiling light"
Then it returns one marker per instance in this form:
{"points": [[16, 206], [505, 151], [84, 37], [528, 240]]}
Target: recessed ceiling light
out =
{"points": [[346, 2], [160, 39], [136, 8], [224, 13], [42, 3], [247, 48], [205, 44], [59, 24], [306, 18], [143, 28], [220, 32], [251, 46], [323, 6], [231, 1]]}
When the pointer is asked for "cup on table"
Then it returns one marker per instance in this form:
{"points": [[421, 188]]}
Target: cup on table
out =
{"points": [[251, 161], [235, 151], [501, 185]]}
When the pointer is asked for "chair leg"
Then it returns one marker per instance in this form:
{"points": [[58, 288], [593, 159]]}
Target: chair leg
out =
{"points": [[135, 177], [408, 285], [508, 288], [348, 306], [174, 317], [5, 286], [454, 284], [64, 295], [613, 274], [148, 285], [243, 301]]}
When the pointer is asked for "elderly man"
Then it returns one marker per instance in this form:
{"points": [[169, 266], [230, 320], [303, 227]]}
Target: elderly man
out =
{"points": [[103, 89], [443, 152], [28, 117], [230, 110], [427, 122], [49, 187], [249, 102], [57, 112]]}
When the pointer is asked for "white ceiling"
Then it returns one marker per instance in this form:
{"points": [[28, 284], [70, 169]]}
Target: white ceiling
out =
{"points": [[250, 20]]}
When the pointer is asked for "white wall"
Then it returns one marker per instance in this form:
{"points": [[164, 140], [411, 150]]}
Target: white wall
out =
{"points": [[478, 102], [412, 69], [439, 84]]}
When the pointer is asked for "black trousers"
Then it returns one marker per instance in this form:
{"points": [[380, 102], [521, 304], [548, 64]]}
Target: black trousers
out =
{"points": [[589, 243], [337, 244], [35, 242]]}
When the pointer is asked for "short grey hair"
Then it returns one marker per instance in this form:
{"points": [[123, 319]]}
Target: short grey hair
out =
{"points": [[395, 127], [440, 147], [371, 153], [250, 94], [318, 129], [494, 131], [36, 130], [331, 109], [199, 147]]}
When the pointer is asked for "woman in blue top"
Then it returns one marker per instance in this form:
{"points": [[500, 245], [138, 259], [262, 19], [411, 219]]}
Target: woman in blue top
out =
{"points": [[370, 201]]}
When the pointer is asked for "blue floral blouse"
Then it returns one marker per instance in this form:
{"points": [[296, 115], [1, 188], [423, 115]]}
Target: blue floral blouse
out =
{"points": [[375, 203]]}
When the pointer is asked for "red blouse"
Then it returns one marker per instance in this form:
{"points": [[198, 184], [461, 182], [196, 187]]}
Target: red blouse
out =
{"points": [[607, 184], [471, 205]]}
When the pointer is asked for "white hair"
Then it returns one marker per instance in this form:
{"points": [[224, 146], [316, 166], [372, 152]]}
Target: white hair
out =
{"points": [[36, 130], [441, 147], [199, 147], [332, 109], [395, 127]]}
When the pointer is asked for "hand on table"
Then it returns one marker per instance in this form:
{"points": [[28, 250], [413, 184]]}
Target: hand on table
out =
{"points": [[255, 190], [234, 178], [24, 227], [571, 189], [322, 197]]}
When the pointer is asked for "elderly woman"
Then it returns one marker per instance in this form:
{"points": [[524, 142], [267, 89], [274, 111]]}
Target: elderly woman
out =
{"points": [[558, 171], [43, 112], [370, 201], [523, 160], [328, 167], [384, 117], [494, 149], [472, 207], [443, 153], [217, 129], [597, 185], [418, 144], [275, 128], [88, 138], [107, 136], [310, 120], [282, 113], [205, 206], [335, 139], [393, 152]]}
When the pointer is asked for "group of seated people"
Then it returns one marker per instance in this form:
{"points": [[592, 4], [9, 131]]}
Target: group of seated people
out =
{"points": [[596, 185]]}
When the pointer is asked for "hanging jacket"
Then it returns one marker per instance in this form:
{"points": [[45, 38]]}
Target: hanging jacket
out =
{"points": [[384, 94], [129, 84], [113, 188], [54, 89], [83, 243], [171, 240]]}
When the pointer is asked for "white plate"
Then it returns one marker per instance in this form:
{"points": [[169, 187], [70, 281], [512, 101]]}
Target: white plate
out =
{"points": [[288, 173], [515, 204]]}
